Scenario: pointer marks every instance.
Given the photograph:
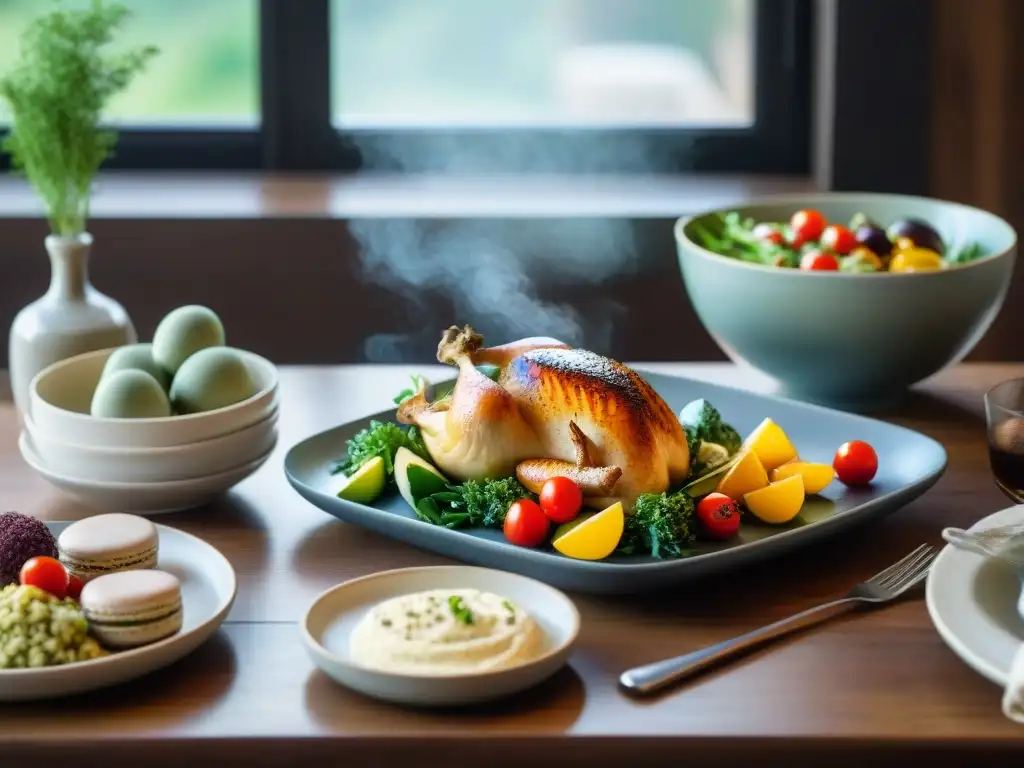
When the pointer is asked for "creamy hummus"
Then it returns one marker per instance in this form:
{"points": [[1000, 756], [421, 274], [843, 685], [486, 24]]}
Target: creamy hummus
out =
{"points": [[445, 632]]}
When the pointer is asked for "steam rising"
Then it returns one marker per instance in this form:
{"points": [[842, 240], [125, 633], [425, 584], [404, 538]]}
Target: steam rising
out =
{"points": [[507, 278]]}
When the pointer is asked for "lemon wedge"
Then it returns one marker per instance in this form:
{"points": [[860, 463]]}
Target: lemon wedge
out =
{"points": [[365, 484], [595, 538]]}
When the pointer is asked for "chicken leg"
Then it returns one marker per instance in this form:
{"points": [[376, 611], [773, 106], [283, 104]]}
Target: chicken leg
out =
{"points": [[593, 481], [478, 432]]}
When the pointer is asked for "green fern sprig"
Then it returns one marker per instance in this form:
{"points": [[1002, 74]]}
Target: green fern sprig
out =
{"points": [[57, 92]]}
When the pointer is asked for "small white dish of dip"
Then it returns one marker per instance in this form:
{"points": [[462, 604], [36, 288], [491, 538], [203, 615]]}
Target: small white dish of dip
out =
{"points": [[548, 635]]}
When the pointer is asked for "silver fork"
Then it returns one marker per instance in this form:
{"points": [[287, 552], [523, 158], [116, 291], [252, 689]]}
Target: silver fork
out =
{"points": [[880, 588]]}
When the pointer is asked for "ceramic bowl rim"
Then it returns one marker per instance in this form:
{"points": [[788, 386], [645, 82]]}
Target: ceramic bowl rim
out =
{"points": [[326, 654], [268, 422], [259, 360], [40, 467], [815, 198]]}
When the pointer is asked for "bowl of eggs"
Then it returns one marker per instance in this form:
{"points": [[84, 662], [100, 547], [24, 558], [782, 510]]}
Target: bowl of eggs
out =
{"points": [[153, 427]]}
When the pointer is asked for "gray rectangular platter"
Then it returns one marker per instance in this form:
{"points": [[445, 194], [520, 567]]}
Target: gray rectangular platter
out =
{"points": [[909, 464]]}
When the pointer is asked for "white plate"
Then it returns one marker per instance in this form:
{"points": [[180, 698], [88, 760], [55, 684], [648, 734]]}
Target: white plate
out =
{"points": [[329, 621], [140, 498], [208, 587], [976, 604]]}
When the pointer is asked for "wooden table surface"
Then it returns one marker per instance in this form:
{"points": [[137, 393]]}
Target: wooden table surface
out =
{"points": [[867, 687]]}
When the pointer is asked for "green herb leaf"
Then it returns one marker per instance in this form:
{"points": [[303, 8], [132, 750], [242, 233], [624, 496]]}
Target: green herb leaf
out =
{"points": [[418, 385], [427, 510], [459, 609]]}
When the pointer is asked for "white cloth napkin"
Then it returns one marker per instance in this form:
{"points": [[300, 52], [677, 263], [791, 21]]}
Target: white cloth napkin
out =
{"points": [[1013, 696]]}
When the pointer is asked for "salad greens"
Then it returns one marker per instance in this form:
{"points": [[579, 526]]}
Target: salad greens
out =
{"points": [[809, 242], [731, 235]]}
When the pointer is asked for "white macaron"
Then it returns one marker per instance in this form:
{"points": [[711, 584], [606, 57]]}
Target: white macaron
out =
{"points": [[105, 544], [129, 609]]}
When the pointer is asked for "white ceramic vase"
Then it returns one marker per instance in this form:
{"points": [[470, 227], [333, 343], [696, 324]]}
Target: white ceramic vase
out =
{"points": [[71, 318]]}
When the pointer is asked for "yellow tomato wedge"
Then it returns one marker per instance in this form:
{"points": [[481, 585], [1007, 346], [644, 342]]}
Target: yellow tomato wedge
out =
{"points": [[777, 503], [771, 445], [916, 260], [816, 476], [746, 475], [595, 538]]}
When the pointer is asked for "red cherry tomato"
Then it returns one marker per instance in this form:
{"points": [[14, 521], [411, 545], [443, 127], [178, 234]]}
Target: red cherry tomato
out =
{"points": [[768, 233], [75, 585], [838, 239], [561, 499], [525, 524], [46, 574], [818, 261], [808, 225], [719, 516], [855, 463]]}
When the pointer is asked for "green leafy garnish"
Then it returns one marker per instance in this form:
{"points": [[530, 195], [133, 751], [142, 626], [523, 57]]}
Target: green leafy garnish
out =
{"points": [[965, 253], [57, 92], [476, 504], [662, 525], [418, 383], [381, 438], [702, 424], [459, 610]]}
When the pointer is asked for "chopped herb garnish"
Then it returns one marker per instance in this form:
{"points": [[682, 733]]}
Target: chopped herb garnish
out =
{"points": [[459, 610], [385, 622]]}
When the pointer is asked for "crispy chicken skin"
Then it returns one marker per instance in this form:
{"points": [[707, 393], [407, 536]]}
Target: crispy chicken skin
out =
{"points": [[554, 410]]}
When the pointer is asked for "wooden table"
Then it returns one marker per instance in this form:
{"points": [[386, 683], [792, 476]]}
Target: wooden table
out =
{"points": [[875, 686]]}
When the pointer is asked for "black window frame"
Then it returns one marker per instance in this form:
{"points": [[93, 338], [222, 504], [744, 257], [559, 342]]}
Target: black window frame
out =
{"points": [[295, 132]]}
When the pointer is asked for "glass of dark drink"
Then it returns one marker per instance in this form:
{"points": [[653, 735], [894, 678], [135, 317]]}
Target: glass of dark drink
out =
{"points": [[1004, 412]]}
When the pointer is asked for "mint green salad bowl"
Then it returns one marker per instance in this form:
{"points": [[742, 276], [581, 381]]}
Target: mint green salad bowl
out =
{"points": [[848, 340]]}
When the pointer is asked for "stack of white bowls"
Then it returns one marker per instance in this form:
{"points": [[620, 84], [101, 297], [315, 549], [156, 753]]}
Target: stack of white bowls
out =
{"points": [[144, 466]]}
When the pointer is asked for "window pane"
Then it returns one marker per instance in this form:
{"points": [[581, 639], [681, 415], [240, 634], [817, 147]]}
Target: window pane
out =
{"points": [[542, 62], [207, 70]]}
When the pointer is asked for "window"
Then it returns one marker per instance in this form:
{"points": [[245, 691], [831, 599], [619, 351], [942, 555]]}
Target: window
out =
{"points": [[488, 85], [502, 63], [207, 71]]}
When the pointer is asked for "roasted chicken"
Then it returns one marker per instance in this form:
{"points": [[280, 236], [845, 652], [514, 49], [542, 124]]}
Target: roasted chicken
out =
{"points": [[553, 410]]}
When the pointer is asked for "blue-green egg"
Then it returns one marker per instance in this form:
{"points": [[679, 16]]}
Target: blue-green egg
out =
{"points": [[182, 333], [130, 394], [211, 378], [136, 357]]}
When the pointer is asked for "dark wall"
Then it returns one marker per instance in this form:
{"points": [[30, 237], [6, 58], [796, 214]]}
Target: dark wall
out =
{"points": [[298, 290]]}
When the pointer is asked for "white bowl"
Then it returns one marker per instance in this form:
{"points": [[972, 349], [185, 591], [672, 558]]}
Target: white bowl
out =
{"points": [[60, 397], [329, 621], [140, 498], [155, 465]]}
